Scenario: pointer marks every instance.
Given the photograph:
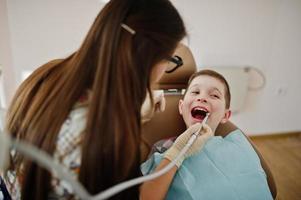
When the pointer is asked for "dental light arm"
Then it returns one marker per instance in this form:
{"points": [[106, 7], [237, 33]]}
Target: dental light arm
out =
{"points": [[46, 161]]}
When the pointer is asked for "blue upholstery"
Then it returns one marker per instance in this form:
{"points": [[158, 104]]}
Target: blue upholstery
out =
{"points": [[227, 168]]}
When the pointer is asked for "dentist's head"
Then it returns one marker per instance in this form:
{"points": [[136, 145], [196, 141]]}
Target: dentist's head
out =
{"points": [[126, 50]]}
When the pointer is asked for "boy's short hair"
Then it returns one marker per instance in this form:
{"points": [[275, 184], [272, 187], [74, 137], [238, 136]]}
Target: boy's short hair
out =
{"points": [[216, 75]]}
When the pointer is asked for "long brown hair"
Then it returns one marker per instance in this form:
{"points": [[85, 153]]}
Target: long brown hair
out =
{"points": [[116, 66]]}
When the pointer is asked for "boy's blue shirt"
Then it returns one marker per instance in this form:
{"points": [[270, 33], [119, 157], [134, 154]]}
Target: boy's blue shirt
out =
{"points": [[226, 168]]}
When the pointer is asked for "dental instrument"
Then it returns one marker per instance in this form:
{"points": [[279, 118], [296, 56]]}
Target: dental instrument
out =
{"points": [[50, 164]]}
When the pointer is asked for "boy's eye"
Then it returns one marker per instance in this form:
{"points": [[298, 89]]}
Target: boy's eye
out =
{"points": [[195, 92], [215, 96]]}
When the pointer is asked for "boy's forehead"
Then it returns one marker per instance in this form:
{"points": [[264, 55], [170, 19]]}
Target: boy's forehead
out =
{"points": [[205, 80]]}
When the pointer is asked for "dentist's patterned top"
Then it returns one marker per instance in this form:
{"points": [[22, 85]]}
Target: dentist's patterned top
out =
{"points": [[67, 152]]}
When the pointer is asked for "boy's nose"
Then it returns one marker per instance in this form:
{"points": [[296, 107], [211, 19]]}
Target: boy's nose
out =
{"points": [[203, 100]]}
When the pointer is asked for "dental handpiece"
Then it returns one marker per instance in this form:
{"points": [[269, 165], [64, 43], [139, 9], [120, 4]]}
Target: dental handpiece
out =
{"points": [[204, 122], [195, 135]]}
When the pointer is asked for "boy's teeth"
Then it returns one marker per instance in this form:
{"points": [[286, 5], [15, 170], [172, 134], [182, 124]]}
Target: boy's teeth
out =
{"points": [[201, 109]]}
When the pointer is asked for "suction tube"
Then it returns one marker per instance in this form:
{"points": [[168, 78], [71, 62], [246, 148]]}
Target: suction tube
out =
{"points": [[50, 164]]}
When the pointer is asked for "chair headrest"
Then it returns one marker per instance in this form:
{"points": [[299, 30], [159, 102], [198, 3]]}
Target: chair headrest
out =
{"points": [[179, 78]]}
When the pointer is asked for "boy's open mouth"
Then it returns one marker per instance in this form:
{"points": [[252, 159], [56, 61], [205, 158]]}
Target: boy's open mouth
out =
{"points": [[199, 113]]}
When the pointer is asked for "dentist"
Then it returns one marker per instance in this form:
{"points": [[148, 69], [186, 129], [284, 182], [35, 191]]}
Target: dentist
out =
{"points": [[85, 110]]}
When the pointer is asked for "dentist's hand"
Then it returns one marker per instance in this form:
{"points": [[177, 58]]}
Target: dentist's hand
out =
{"points": [[148, 110], [205, 134]]}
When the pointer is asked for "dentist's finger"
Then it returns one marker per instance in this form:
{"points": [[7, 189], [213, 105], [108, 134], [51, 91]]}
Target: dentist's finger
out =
{"points": [[206, 130]]}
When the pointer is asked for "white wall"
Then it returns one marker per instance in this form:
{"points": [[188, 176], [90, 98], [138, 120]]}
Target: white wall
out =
{"points": [[260, 33], [48, 29], [265, 34], [7, 79]]}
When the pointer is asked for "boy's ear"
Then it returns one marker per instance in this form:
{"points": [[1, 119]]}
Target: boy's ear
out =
{"points": [[180, 106], [226, 117]]}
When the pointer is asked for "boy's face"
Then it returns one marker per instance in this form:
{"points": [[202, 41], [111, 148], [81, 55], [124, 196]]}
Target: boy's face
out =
{"points": [[204, 93]]}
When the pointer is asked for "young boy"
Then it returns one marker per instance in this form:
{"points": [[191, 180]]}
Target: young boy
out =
{"points": [[226, 168]]}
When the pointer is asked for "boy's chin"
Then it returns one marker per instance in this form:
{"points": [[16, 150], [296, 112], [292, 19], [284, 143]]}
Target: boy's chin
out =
{"points": [[208, 123], [192, 123]]}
